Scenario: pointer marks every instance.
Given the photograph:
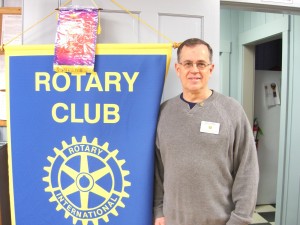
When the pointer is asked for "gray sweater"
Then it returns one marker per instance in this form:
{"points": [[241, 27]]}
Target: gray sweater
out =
{"points": [[204, 178]]}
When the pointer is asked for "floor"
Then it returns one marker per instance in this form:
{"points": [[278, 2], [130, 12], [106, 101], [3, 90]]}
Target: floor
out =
{"points": [[264, 215]]}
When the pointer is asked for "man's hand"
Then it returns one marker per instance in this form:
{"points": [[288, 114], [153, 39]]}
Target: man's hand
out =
{"points": [[160, 221]]}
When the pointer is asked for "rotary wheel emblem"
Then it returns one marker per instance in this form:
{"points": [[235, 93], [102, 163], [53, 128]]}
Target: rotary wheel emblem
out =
{"points": [[87, 181]]}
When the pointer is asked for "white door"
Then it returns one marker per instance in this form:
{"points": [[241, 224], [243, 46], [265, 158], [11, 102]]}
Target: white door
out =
{"points": [[268, 114], [176, 20]]}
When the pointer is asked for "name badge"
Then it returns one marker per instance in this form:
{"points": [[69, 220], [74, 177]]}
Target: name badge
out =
{"points": [[209, 127]]}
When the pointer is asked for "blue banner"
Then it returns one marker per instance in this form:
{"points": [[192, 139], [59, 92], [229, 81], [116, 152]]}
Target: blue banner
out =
{"points": [[81, 146]]}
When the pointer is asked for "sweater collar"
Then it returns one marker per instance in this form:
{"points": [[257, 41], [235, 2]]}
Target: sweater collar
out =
{"points": [[199, 104]]}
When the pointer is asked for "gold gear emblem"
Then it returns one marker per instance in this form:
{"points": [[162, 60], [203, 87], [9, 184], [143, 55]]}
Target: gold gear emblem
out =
{"points": [[86, 181]]}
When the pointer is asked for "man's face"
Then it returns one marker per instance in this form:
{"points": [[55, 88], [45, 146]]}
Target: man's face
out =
{"points": [[194, 68]]}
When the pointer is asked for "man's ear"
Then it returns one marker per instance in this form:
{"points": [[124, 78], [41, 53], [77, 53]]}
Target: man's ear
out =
{"points": [[211, 69], [177, 68]]}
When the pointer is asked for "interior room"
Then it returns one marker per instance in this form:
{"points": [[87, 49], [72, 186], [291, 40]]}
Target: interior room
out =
{"points": [[258, 65]]}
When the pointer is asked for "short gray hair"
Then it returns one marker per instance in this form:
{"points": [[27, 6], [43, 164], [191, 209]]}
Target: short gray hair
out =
{"points": [[192, 42]]}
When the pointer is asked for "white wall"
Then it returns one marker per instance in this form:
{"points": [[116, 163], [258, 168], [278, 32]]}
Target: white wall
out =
{"points": [[43, 32]]}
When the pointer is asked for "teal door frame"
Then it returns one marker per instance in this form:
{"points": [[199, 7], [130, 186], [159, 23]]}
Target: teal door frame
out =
{"points": [[247, 42]]}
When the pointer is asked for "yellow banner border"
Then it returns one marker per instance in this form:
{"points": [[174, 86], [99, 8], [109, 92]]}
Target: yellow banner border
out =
{"points": [[101, 49], [42, 50]]}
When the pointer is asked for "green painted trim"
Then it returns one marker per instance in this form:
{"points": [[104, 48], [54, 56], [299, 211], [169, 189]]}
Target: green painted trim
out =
{"points": [[254, 36], [270, 29], [284, 134], [225, 46], [225, 50]]}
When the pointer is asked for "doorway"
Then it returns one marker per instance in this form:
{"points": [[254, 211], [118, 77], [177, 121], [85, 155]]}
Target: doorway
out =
{"points": [[267, 86], [252, 29], [248, 44], [268, 57]]}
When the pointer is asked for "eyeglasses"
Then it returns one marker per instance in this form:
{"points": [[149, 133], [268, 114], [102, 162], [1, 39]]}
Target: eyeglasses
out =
{"points": [[189, 65]]}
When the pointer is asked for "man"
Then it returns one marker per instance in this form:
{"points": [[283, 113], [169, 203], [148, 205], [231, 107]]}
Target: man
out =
{"points": [[206, 169]]}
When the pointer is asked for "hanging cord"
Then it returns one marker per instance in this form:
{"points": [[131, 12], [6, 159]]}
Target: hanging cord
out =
{"points": [[94, 3], [99, 24], [175, 44], [29, 28]]}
